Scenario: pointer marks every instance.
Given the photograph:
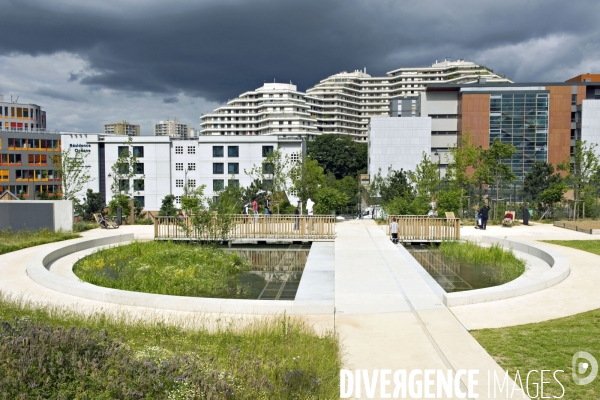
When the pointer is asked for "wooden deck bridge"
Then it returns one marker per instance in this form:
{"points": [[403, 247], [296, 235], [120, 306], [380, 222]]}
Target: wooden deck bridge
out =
{"points": [[421, 228], [262, 227]]}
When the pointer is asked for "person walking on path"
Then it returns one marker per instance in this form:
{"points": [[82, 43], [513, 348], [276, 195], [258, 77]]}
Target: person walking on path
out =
{"points": [[255, 210], [394, 231], [268, 205], [484, 212]]}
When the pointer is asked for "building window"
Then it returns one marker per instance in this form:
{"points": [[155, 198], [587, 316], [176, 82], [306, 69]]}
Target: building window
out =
{"points": [[191, 183], [139, 168], [218, 168], [179, 166], [138, 184], [138, 151], [218, 151], [191, 166], [191, 149], [141, 200], [177, 199], [179, 183], [295, 157], [233, 151], [218, 185], [266, 150], [268, 168], [123, 185], [234, 183], [233, 168], [123, 151], [178, 149]]}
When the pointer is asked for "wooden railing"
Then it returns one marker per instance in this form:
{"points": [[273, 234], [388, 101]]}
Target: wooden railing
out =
{"points": [[259, 227], [423, 228]]}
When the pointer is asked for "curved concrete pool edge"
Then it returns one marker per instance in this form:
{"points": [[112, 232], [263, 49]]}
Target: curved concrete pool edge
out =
{"points": [[313, 302], [559, 271]]}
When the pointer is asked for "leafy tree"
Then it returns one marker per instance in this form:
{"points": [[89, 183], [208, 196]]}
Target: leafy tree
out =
{"points": [[328, 200], [339, 155], [120, 200], [543, 187], [396, 184], [92, 203], [273, 174], [463, 160], [426, 178], [583, 172], [347, 185], [448, 201], [124, 169], [307, 177], [167, 208], [229, 200], [490, 169], [74, 174]]}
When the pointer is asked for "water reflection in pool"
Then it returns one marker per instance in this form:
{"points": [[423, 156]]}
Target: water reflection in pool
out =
{"points": [[277, 269], [453, 276]]}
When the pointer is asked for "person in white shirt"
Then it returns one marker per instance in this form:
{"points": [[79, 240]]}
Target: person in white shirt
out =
{"points": [[394, 230]]}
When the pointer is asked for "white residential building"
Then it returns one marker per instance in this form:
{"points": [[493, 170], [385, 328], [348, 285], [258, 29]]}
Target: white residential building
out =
{"points": [[343, 103], [217, 161], [340, 104], [165, 165], [274, 109], [173, 128]]}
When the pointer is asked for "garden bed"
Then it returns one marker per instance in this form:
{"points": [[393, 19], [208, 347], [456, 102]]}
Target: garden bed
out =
{"points": [[170, 268], [71, 356]]}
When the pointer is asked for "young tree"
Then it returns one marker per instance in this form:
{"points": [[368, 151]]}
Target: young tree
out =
{"points": [[426, 178], [273, 174], [167, 207], [307, 177], [92, 203], [124, 170], [463, 160], [328, 200], [72, 169], [583, 170]]}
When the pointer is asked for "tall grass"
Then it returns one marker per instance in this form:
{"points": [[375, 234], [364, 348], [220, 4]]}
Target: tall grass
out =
{"points": [[13, 241], [60, 354], [170, 268], [508, 266]]}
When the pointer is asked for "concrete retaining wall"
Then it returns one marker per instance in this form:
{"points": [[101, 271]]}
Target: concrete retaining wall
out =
{"points": [[37, 214], [524, 284], [308, 300]]}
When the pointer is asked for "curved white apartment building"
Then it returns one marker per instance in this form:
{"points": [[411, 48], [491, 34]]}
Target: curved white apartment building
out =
{"points": [[340, 104], [343, 103], [274, 109]]}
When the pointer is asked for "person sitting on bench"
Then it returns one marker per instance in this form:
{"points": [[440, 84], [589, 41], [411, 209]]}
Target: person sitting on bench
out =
{"points": [[508, 218]]}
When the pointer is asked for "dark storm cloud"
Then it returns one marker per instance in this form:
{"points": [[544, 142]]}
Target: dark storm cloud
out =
{"points": [[217, 50], [55, 94], [170, 100]]}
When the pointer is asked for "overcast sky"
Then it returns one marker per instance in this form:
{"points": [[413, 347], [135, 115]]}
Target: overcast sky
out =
{"points": [[93, 62]]}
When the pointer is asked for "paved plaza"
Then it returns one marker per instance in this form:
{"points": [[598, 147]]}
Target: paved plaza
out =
{"points": [[387, 315]]}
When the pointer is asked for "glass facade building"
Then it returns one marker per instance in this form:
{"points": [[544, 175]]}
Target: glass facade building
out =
{"points": [[521, 119]]}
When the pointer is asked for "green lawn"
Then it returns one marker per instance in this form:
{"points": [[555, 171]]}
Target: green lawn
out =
{"points": [[551, 344], [592, 246], [547, 345], [178, 269], [13, 241], [51, 353]]}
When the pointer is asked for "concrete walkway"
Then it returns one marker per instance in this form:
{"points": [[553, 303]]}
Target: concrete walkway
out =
{"points": [[387, 315], [576, 294]]}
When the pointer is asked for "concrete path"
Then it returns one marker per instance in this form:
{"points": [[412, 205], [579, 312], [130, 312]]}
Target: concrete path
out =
{"points": [[576, 294], [387, 315]]}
